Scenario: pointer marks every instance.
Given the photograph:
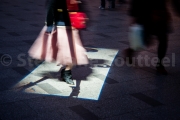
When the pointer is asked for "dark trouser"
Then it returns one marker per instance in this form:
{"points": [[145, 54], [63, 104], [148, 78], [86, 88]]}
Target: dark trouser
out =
{"points": [[112, 3], [162, 37], [162, 47], [103, 3]]}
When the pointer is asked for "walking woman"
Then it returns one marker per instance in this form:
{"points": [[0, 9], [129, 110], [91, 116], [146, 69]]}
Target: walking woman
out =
{"points": [[58, 41]]}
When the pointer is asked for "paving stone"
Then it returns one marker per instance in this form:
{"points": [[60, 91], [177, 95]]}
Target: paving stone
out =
{"points": [[1, 27], [83, 112], [158, 113], [21, 70], [16, 110], [147, 99], [13, 33], [49, 89], [168, 98], [110, 81], [8, 14], [21, 19], [105, 89], [115, 106], [103, 35], [2, 87], [125, 88], [122, 117], [9, 72], [57, 110], [10, 96]]}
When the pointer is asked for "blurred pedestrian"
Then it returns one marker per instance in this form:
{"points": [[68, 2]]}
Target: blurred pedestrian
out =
{"points": [[58, 41], [122, 1], [154, 18], [176, 6], [103, 4]]}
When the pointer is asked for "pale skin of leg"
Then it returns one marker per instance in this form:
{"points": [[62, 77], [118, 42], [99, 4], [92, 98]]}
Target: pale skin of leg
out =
{"points": [[69, 67]]}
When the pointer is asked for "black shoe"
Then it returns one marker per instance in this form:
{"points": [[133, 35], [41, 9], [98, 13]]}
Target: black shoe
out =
{"points": [[161, 70], [67, 76]]}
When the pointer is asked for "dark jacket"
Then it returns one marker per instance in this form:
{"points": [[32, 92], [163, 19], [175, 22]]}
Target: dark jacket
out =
{"points": [[152, 14], [57, 12]]}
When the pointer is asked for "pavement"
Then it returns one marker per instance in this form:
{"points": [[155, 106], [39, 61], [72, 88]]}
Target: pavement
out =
{"points": [[106, 89]]}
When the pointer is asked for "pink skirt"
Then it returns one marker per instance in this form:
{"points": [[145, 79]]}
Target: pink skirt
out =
{"points": [[62, 46]]}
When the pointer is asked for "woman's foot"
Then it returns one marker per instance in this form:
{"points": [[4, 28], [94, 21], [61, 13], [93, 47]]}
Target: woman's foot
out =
{"points": [[67, 76]]}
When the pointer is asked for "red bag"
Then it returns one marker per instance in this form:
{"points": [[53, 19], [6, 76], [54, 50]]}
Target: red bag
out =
{"points": [[78, 19], [72, 7]]}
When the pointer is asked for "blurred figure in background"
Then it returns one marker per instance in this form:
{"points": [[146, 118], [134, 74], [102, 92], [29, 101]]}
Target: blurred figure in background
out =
{"points": [[176, 6], [103, 4], [154, 18], [58, 41], [122, 1]]}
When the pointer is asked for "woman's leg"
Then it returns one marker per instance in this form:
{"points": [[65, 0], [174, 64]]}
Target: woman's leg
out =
{"points": [[103, 4]]}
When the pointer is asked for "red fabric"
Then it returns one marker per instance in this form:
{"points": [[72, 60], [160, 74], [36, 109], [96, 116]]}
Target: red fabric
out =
{"points": [[78, 19], [72, 7]]}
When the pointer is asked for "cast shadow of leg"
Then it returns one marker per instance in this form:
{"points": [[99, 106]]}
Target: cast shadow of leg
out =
{"points": [[81, 73]]}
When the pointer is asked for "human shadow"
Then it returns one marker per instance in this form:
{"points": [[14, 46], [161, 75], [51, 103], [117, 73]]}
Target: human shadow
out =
{"points": [[45, 75], [24, 87], [90, 49], [81, 73]]}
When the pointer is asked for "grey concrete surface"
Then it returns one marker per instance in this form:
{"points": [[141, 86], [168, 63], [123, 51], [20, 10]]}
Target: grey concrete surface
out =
{"points": [[106, 89]]}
